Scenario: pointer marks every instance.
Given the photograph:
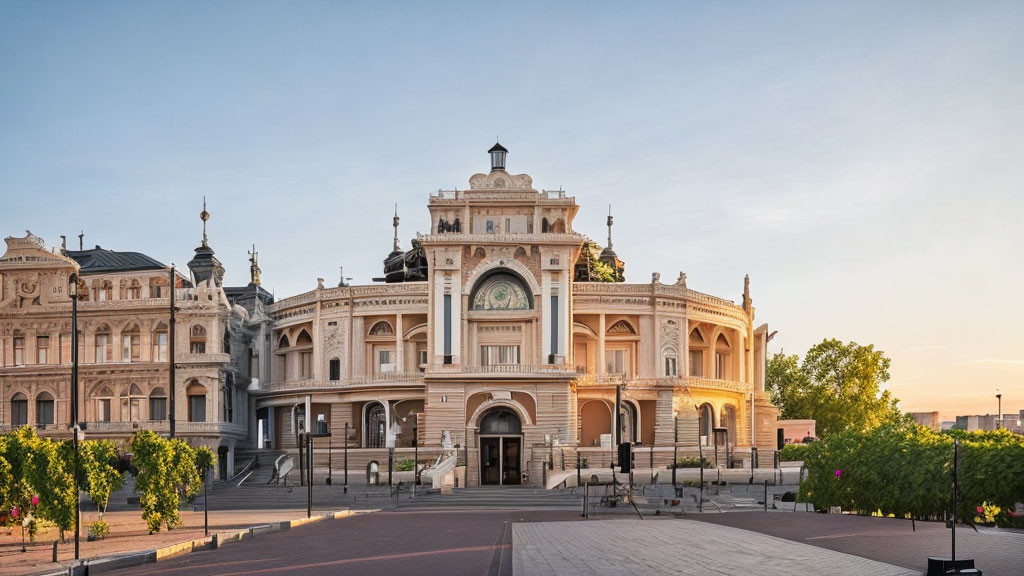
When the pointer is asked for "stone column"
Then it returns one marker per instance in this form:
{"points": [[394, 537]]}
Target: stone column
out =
{"points": [[600, 345]]}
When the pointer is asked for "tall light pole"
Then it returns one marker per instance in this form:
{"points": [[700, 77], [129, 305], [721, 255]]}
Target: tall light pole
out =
{"points": [[675, 446], [73, 292], [999, 414], [170, 346]]}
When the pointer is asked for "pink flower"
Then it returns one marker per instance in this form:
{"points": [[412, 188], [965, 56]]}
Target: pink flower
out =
{"points": [[14, 512], [839, 473], [35, 500], [980, 509]]}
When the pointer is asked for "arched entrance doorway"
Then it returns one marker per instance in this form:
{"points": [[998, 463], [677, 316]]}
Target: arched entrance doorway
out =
{"points": [[501, 442], [706, 423], [376, 426]]}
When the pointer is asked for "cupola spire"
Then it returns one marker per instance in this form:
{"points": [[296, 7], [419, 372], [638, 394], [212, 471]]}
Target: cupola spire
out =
{"points": [[610, 222], [497, 153], [394, 222]]}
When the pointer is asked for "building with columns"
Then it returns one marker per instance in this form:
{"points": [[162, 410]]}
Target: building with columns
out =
{"points": [[499, 340], [124, 344], [505, 333]]}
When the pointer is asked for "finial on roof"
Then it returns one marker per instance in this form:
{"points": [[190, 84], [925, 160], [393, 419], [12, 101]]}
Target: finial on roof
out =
{"points": [[81, 239], [610, 220], [254, 266], [63, 242], [394, 223], [342, 282], [746, 292], [204, 216]]}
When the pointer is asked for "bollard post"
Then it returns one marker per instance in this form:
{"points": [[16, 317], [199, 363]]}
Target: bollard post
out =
{"points": [[54, 551], [578, 471], [765, 495]]}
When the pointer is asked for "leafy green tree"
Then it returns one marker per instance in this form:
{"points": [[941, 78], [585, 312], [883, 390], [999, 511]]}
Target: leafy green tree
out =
{"points": [[18, 451], [838, 384], [52, 477], [6, 479], [166, 473], [99, 478]]}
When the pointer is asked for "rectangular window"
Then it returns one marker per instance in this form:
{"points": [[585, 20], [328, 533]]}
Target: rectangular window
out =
{"points": [[697, 363], [44, 412], [385, 361], [103, 410], [554, 325], [508, 225], [155, 291], [197, 408], [306, 365], [670, 366], [227, 402], [60, 348], [615, 362], [198, 348], [104, 351], [19, 351], [158, 408], [19, 412], [421, 355], [447, 328], [160, 347], [499, 355], [720, 365], [130, 345], [42, 348], [490, 226]]}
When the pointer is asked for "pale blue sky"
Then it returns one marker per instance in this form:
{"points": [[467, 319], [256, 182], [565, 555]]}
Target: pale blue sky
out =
{"points": [[862, 162]]}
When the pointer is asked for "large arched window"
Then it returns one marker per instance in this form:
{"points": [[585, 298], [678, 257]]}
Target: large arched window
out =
{"points": [[381, 328], [19, 410], [706, 423], [501, 291], [668, 355], [131, 405], [697, 346], [722, 356], [501, 421], [335, 369], [158, 404], [44, 409], [376, 426]]}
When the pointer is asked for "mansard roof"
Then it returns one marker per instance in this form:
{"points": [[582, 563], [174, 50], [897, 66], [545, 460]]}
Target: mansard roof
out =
{"points": [[99, 261]]}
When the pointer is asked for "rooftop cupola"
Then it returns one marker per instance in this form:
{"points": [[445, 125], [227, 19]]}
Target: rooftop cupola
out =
{"points": [[497, 153], [205, 265]]}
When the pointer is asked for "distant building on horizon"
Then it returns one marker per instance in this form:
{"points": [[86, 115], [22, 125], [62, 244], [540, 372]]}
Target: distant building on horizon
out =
{"points": [[1011, 421], [929, 419]]}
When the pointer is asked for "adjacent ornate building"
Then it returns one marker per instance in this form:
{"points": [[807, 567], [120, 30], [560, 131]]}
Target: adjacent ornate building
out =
{"points": [[502, 333]]}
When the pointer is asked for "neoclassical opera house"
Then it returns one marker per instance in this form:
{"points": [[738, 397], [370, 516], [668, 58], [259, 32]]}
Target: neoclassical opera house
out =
{"points": [[501, 338], [504, 334]]}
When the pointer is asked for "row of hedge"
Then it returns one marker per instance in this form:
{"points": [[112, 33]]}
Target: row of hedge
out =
{"points": [[906, 470], [37, 478]]}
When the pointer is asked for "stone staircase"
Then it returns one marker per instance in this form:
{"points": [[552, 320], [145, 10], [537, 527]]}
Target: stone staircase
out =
{"points": [[495, 497]]}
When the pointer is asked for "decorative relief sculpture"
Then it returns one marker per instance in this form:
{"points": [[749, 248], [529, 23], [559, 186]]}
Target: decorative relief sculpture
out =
{"points": [[501, 292]]}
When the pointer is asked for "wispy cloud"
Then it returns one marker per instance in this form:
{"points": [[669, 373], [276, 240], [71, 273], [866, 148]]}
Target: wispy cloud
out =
{"points": [[928, 347], [995, 361]]}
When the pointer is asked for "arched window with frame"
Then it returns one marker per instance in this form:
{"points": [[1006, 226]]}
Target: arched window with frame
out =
{"points": [[44, 409], [335, 368], [696, 359], [104, 398], [376, 426], [158, 404], [723, 353], [131, 344], [706, 423], [19, 410], [134, 290], [196, 394], [104, 348], [160, 343], [197, 339], [669, 359], [131, 405], [381, 328]]}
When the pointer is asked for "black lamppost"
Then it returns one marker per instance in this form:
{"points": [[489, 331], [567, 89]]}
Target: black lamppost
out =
{"points": [[999, 414], [73, 292], [170, 345], [675, 446], [415, 459], [347, 428]]}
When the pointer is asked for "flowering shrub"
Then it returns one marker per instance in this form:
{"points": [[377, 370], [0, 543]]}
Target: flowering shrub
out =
{"points": [[987, 514]]}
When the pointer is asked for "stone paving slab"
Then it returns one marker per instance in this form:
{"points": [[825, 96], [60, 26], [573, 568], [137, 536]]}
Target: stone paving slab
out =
{"points": [[671, 546]]}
